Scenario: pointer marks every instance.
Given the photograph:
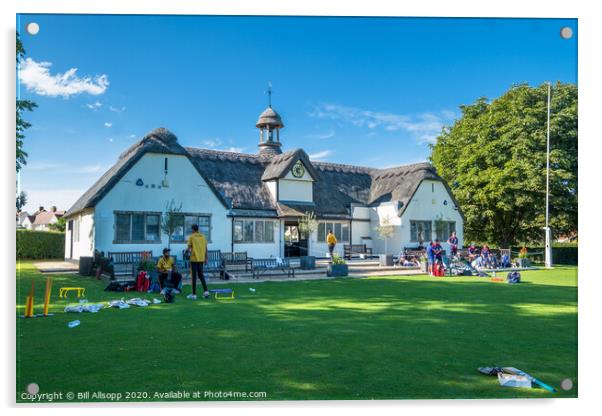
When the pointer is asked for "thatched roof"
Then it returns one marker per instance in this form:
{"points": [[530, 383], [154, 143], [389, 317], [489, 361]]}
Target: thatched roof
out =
{"points": [[159, 140], [239, 180], [269, 117], [280, 165]]}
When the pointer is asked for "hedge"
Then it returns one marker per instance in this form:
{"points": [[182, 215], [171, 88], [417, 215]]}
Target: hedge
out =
{"points": [[40, 245], [561, 254]]}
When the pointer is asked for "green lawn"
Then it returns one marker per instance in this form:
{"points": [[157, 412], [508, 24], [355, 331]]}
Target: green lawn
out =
{"points": [[374, 338]]}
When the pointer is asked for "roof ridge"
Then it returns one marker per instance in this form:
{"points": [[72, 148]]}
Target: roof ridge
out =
{"points": [[409, 165]]}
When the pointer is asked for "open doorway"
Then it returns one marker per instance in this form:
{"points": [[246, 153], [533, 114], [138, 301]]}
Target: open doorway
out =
{"points": [[295, 243]]}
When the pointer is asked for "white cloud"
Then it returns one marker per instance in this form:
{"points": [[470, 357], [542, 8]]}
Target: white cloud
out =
{"points": [[65, 168], [95, 168], [116, 109], [212, 143], [234, 149], [94, 106], [63, 199], [218, 144], [37, 166], [132, 136], [36, 77], [107, 124], [424, 127], [327, 135], [111, 139], [320, 155]]}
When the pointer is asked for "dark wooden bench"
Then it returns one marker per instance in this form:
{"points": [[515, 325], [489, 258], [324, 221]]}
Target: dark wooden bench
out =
{"points": [[123, 265], [215, 263], [413, 252], [261, 266], [237, 259], [351, 249]]}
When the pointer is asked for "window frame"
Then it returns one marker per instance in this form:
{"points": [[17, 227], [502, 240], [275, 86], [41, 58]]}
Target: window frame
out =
{"points": [[331, 225], [428, 238], [145, 214], [244, 222], [186, 233]]}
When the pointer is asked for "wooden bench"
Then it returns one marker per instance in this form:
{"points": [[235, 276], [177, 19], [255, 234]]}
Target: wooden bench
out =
{"points": [[215, 263], [413, 252], [125, 263], [237, 259], [261, 266], [351, 249]]}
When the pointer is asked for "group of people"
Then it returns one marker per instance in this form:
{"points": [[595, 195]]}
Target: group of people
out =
{"points": [[170, 278]]}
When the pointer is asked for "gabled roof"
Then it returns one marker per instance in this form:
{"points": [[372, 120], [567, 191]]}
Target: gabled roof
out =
{"points": [[238, 180], [280, 165], [159, 140], [45, 217]]}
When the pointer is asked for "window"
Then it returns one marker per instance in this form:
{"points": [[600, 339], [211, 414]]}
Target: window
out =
{"points": [[203, 221], [248, 232], [322, 232], [152, 228], [122, 227], [75, 230], [253, 231], [421, 231], [443, 229], [340, 231], [178, 232], [131, 227]]}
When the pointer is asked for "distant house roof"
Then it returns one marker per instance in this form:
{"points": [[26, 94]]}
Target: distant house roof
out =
{"points": [[239, 180], [46, 217]]}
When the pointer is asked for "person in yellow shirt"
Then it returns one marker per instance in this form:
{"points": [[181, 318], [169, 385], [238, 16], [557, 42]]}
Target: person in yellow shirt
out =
{"points": [[331, 240], [197, 247], [168, 272]]}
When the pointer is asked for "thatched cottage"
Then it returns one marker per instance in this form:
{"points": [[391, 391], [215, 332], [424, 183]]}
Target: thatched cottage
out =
{"points": [[253, 202]]}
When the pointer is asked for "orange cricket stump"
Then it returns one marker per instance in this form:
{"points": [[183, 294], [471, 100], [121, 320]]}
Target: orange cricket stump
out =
{"points": [[29, 303]]}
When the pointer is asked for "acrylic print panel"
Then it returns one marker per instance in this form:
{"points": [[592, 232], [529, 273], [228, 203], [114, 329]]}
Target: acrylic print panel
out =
{"points": [[424, 183]]}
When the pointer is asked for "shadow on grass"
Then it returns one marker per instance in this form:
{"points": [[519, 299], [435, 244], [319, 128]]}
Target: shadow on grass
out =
{"points": [[379, 338]]}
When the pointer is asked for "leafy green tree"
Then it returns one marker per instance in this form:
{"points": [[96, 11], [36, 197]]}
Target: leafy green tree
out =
{"points": [[494, 158], [21, 200], [171, 220], [59, 225], [22, 105]]}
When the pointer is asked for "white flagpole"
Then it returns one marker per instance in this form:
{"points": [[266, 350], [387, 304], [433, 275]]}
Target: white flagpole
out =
{"points": [[548, 245]]}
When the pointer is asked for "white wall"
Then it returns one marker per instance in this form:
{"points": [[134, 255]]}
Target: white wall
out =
{"points": [[83, 225], [431, 202], [378, 214], [186, 186], [291, 188], [273, 188]]}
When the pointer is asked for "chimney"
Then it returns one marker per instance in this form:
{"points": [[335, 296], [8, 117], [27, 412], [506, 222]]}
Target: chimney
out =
{"points": [[53, 208]]}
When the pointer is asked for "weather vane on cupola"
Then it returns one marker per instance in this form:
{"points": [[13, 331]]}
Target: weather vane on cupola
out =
{"points": [[269, 93], [269, 125]]}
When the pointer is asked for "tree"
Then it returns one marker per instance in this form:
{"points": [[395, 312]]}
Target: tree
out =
{"points": [[494, 158], [171, 220], [385, 230], [21, 200], [59, 225], [308, 224], [22, 105]]}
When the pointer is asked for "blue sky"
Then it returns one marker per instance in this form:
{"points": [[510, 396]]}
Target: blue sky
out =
{"points": [[367, 91]]}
